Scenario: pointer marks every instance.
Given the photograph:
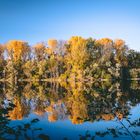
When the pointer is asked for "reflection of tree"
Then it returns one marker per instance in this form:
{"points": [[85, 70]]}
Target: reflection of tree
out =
{"points": [[20, 110], [83, 102], [95, 103], [39, 108], [22, 131], [79, 102], [78, 108], [56, 111]]}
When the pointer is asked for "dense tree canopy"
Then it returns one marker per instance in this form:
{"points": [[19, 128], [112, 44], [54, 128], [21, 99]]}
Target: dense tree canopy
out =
{"points": [[77, 59]]}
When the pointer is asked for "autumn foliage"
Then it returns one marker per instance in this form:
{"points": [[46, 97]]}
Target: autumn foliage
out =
{"points": [[77, 59]]}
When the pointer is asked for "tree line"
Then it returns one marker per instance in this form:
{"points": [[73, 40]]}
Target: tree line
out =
{"points": [[77, 59]]}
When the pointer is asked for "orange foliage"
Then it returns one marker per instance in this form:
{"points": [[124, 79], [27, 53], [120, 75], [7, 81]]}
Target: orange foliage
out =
{"points": [[39, 112], [76, 41], [119, 115], [17, 112], [52, 113], [52, 44], [52, 118], [78, 52], [40, 50], [76, 120], [104, 42], [107, 117], [119, 43], [17, 50]]}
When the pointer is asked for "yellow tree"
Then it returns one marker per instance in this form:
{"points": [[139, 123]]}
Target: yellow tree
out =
{"points": [[40, 51], [40, 60], [119, 43], [104, 42], [52, 58], [120, 58], [17, 50], [52, 43], [106, 46], [76, 56], [121, 50]]}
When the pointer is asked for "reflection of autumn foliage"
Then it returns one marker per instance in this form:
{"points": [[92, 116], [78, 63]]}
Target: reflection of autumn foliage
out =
{"points": [[119, 115], [39, 108], [79, 102], [52, 117], [107, 117], [78, 108], [110, 116], [16, 113], [96, 103], [56, 111], [20, 110]]}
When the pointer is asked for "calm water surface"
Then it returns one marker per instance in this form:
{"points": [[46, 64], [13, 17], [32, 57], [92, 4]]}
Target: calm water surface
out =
{"points": [[100, 111]]}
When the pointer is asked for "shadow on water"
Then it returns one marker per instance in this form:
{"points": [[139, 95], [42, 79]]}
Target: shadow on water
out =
{"points": [[109, 109]]}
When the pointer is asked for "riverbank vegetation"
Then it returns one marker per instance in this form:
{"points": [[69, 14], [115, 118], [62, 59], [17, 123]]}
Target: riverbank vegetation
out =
{"points": [[77, 59]]}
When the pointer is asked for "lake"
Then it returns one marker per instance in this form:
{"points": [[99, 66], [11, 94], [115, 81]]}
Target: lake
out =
{"points": [[61, 111]]}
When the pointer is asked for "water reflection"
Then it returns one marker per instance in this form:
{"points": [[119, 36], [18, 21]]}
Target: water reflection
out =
{"points": [[68, 104]]}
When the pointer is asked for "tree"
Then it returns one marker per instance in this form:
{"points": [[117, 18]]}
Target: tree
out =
{"points": [[105, 46], [76, 57], [52, 43], [120, 52], [52, 58], [18, 50], [40, 51]]}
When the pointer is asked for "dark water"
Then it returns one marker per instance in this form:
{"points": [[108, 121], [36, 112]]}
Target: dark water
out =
{"points": [[102, 110]]}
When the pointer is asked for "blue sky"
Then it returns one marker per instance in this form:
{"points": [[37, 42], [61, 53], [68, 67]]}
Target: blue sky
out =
{"points": [[39, 20]]}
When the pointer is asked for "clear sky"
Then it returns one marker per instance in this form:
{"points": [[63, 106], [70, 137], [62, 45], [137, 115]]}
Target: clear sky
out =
{"points": [[39, 20]]}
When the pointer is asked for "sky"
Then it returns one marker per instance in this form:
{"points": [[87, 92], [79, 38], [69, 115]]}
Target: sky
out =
{"points": [[39, 20]]}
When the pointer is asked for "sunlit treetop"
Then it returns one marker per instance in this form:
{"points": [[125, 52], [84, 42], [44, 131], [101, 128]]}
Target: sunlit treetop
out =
{"points": [[104, 42], [77, 44], [17, 49], [49, 51], [52, 43], [39, 46], [119, 43], [40, 50], [76, 41], [77, 49]]}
